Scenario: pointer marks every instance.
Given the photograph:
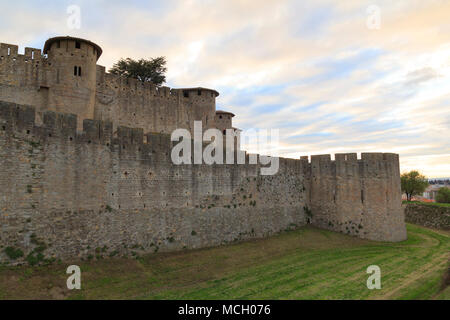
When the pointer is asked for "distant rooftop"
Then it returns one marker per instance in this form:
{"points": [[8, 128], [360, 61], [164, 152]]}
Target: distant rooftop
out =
{"points": [[225, 112]]}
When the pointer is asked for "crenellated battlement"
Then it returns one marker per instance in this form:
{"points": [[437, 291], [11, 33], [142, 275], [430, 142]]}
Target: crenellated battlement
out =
{"points": [[20, 118], [86, 154], [123, 86], [348, 164], [10, 51], [64, 77]]}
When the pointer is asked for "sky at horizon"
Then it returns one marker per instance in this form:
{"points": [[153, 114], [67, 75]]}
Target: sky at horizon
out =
{"points": [[323, 72]]}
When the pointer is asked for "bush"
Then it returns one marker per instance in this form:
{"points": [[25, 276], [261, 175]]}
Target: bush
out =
{"points": [[443, 195], [13, 254]]}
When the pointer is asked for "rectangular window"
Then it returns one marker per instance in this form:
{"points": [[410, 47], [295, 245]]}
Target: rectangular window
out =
{"points": [[78, 45], [58, 44], [79, 71], [75, 70]]}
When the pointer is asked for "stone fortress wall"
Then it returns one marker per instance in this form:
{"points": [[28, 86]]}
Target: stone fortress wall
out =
{"points": [[67, 79], [77, 192], [110, 188]]}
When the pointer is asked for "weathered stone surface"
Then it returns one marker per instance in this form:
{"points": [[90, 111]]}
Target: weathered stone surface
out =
{"points": [[79, 192], [428, 215], [85, 169], [49, 83]]}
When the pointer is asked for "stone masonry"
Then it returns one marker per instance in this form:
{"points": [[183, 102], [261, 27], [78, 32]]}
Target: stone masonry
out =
{"points": [[85, 169]]}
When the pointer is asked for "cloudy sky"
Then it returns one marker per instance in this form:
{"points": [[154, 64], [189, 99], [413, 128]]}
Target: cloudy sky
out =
{"points": [[329, 74]]}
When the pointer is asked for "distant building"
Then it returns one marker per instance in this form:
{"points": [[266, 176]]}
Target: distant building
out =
{"points": [[432, 190]]}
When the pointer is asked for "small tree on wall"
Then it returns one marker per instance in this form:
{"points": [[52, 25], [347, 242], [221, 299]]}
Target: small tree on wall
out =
{"points": [[151, 70], [413, 183], [443, 195]]}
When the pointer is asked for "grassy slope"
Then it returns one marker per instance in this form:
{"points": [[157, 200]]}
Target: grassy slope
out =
{"points": [[304, 264]]}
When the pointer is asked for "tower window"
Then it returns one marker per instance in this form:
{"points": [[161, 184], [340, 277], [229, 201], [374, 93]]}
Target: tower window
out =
{"points": [[77, 71], [220, 117], [58, 44], [199, 92], [224, 132], [78, 45]]}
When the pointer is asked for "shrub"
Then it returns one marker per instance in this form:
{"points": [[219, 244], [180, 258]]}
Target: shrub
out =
{"points": [[34, 258], [13, 254], [443, 195]]}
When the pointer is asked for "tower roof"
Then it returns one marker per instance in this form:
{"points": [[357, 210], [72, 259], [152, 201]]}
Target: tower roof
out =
{"points": [[50, 41], [225, 112], [200, 88]]}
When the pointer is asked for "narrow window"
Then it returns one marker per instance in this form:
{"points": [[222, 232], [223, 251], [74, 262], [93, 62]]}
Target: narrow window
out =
{"points": [[220, 117], [32, 55], [362, 196], [199, 92], [79, 71], [75, 70], [58, 44], [186, 94], [78, 45], [9, 51], [224, 132]]}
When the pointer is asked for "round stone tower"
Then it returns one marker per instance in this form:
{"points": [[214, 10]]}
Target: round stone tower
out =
{"points": [[224, 120], [202, 103], [73, 87]]}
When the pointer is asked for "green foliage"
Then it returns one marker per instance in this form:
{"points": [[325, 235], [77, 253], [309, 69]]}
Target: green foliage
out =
{"points": [[443, 195], [33, 258], [151, 70], [108, 208], [114, 253], [307, 211], [193, 233], [308, 263], [12, 253], [413, 183]]}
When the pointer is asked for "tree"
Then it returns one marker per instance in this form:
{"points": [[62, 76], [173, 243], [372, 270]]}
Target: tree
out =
{"points": [[443, 195], [413, 183], [152, 70]]}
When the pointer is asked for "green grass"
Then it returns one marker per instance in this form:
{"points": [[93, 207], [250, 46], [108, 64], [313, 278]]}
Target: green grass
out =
{"points": [[304, 264], [430, 204]]}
